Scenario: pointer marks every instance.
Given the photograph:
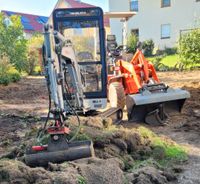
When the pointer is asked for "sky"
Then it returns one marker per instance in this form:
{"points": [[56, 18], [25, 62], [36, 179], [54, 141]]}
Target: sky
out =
{"points": [[41, 7]]}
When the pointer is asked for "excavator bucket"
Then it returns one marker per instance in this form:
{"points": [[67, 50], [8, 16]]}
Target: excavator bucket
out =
{"points": [[156, 106]]}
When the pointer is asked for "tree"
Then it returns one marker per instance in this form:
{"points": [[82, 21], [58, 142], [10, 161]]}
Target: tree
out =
{"points": [[132, 42], [12, 41], [189, 47], [34, 46]]}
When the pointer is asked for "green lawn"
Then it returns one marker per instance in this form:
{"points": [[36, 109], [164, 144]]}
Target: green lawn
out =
{"points": [[169, 60]]}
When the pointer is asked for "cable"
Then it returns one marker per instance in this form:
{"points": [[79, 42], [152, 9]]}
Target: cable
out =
{"points": [[71, 107], [41, 132], [79, 122]]}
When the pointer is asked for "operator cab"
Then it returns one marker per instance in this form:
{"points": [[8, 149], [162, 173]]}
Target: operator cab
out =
{"points": [[85, 29]]}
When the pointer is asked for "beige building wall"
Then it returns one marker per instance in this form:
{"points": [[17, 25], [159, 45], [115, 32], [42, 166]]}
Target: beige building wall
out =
{"points": [[181, 15]]}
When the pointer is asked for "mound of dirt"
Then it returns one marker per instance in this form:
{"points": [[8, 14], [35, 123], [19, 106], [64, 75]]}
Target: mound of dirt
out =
{"points": [[191, 109], [88, 171], [150, 175]]}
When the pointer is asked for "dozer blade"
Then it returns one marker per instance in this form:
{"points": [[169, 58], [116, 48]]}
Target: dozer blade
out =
{"points": [[69, 152], [154, 108]]}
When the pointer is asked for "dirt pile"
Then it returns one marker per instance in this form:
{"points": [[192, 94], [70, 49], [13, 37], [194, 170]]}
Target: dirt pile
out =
{"points": [[150, 175], [16, 132], [83, 171], [117, 149], [122, 144], [191, 111], [112, 141]]}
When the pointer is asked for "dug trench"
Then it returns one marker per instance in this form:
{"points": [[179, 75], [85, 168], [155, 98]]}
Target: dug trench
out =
{"points": [[129, 153]]}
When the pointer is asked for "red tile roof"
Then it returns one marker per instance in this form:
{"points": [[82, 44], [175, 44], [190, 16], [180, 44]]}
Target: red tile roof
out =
{"points": [[78, 4], [31, 23]]}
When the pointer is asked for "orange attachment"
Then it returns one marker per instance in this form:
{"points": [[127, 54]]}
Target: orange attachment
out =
{"points": [[137, 73]]}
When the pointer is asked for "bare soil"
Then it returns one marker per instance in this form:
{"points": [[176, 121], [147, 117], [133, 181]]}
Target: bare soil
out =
{"points": [[185, 128], [22, 102], [28, 96]]}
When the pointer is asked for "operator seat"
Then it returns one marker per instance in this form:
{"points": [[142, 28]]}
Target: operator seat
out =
{"points": [[112, 45]]}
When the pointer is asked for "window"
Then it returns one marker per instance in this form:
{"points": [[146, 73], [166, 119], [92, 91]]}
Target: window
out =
{"points": [[84, 33], [165, 31], [134, 5], [165, 3]]}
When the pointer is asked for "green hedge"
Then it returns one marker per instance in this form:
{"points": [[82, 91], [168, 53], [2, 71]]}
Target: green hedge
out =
{"points": [[8, 73], [189, 48], [9, 76]]}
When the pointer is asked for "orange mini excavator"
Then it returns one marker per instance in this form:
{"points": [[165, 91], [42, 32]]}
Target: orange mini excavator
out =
{"points": [[136, 84]]}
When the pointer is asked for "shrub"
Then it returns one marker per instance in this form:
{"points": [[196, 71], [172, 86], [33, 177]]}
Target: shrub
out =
{"points": [[38, 70], [148, 47], [14, 74], [170, 51], [132, 43], [7, 72], [34, 44], [32, 61], [5, 80], [189, 47]]}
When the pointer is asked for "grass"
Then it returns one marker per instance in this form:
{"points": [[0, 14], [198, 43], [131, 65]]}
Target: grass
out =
{"points": [[81, 180], [171, 60], [142, 163], [164, 151]]}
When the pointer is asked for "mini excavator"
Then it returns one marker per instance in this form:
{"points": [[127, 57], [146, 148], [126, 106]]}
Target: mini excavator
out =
{"points": [[76, 73], [76, 83]]}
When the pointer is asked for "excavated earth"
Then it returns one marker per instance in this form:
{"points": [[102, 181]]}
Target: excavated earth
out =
{"points": [[23, 103], [185, 128]]}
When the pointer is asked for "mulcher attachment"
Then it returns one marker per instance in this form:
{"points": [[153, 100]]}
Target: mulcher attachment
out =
{"points": [[59, 149], [154, 103]]}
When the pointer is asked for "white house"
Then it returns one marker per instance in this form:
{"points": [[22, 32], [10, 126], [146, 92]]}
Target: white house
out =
{"points": [[160, 20]]}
